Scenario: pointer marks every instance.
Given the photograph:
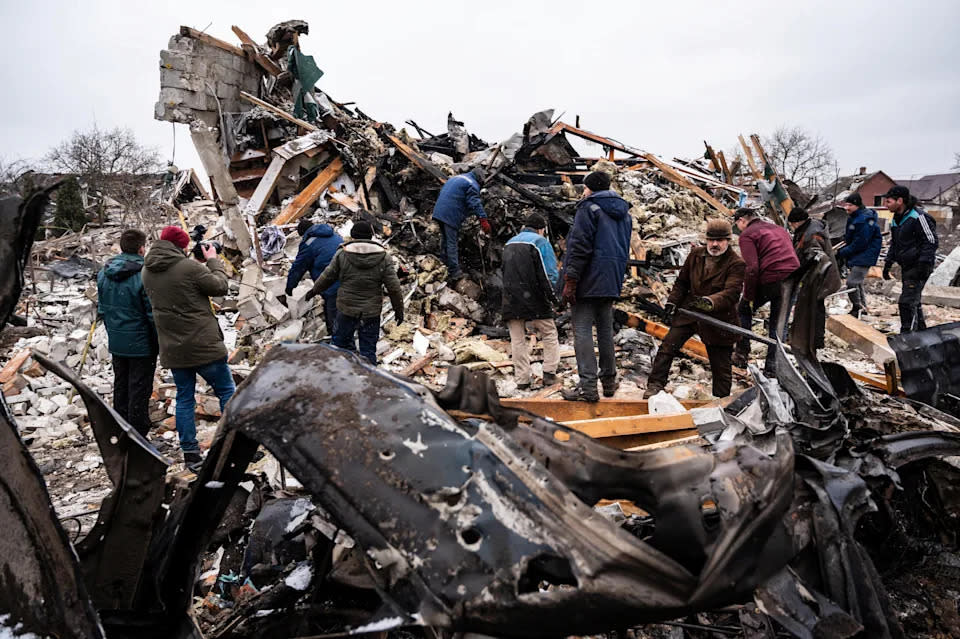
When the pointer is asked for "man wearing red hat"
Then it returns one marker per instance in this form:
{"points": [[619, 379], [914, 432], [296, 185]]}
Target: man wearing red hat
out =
{"points": [[191, 342]]}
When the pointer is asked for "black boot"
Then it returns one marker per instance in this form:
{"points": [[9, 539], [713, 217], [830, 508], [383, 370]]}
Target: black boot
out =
{"points": [[610, 385], [193, 460], [580, 395]]}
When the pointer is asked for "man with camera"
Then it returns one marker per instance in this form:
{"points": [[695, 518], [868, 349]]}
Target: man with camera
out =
{"points": [[191, 342]]}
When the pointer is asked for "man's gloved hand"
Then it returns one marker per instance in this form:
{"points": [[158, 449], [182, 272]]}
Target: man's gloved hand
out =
{"points": [[886, 271], [569, 291], [310, 295], [485, 225], [669, 310], [743, 307], [704, 304], [288, 292], [398, 316]]}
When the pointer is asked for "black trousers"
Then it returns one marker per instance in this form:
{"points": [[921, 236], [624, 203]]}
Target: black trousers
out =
{"points": [[765, 293], [721, 364], [911, 312], [132, 386]]}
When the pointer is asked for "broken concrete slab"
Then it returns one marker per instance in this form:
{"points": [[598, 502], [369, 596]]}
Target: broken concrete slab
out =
{"points": [[941, 295]]}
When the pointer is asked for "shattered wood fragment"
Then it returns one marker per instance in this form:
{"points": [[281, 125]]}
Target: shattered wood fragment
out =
{"points": [[593, 137], [253, 51], [416, 366], [692, 347], [299, 205], [418, 159], [278, 111], [14, 365], [631, 424], [680, 180], [861, 336], [215, 42]]}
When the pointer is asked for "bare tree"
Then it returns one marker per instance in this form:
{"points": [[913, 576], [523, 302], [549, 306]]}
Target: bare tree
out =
{"points": [[97, 155], [800, 156], [14, 174]]}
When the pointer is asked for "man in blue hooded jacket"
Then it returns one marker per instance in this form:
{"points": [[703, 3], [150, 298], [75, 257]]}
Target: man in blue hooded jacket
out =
{"points": [[317, 248], [594, 265], [459, 197], [913, 245], [131, 333], [863, 242]]}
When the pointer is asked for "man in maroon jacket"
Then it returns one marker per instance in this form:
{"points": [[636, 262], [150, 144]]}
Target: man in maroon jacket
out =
{"points": [[768, 253]]}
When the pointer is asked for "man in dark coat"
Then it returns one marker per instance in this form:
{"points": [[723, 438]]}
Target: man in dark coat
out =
{"points": [[594, 265], [132, 337], [709, 282], [364, 268], [863, 241], [529, 280], [767, 251], [810, 238], [191, 342], [316, 250], [459, 197], [913, 245]]}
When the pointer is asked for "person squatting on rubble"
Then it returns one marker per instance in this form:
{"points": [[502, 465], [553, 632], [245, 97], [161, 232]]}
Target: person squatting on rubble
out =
{"points": [[364, 268], [191, 342], [530, 278], [594, 265], [317, 248], [123, 305], [459, 197], [913, 245], [709, 282], [863, 239], [810, 238], [767, 251]]}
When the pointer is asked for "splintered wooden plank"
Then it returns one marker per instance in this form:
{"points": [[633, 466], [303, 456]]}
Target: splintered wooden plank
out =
{"points": [[418, 158], [251, 48], [748, 154], [561, 410], [14, 365], [305, 198], [680, 180], [214, 42], [631, 424], [266, 186], [638, 442], [692, 347], [861, 336], [278, 111]]}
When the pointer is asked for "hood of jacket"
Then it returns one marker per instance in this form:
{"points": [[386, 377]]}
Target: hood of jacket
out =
{"points": [[162, 256], [611, 203], [364, 253], [122, 266], [319, 230]]}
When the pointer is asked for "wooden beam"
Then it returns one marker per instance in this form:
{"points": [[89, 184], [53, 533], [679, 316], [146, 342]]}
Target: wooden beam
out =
{"points": [[748, 154], [723, 166], [343, 200], [298, 205], [861, 336], [214, 42], [644, 440], [692, 347], [278, 112], [416, 366], [593, 137], [782, 207], [418, 158], [631, 424], [561, 410], [253, 50], [266, 186], [680, 180]]}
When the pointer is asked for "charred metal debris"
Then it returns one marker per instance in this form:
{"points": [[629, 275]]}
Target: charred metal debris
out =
{"points": [[423, 513]]}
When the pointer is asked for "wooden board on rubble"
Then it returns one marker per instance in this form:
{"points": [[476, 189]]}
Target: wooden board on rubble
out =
{"points": [[253, 50], [861, 336], [214, 42], [561, 410], [418, 159], [277, 111], [631, 424], [305, 198], [635, 442], [675, 177]]}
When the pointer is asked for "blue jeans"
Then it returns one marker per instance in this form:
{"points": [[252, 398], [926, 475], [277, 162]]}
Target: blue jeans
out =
{"points": [[368, 329], [217, 374], [449, 247]]}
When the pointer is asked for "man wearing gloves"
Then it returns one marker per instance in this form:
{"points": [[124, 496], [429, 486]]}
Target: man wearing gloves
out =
{"points": [[709, 282], [459, 197], [317, 248], [863, 240], [594, 266], [364, 268], [529, 280], [913, 245]]}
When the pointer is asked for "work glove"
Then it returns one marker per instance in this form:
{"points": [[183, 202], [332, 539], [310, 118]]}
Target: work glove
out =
{"points": [[485, 225], [704, 304], [288, 292], [398, 316], [310, 295], [569, 291], [886, 271], [669, 310]]}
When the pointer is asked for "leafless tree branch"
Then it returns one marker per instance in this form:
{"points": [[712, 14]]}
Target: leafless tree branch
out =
{"points": [[800, 156]]}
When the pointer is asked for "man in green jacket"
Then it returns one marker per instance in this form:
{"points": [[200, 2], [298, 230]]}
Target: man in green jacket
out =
{"points": [[131, 336], [191, 342], [363, 268]]}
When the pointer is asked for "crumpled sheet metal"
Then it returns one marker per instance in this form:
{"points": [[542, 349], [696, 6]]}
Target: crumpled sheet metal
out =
{"points": [[463, 523], [929, 362]]}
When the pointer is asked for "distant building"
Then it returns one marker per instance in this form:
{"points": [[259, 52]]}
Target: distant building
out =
{"points": [[939, 194], [870, 187]]}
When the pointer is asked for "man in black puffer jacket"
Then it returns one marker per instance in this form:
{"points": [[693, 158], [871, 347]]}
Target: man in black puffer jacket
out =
{"points": [[913, 245]]}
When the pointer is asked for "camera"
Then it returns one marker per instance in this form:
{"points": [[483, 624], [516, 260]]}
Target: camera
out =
{"points": [[197, 236]]}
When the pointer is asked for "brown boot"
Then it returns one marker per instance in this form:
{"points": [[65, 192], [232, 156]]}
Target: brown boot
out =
{"points": [[652, 389]]}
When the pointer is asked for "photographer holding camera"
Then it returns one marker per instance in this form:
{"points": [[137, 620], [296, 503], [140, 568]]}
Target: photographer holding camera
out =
{"points": [[191, 342]]}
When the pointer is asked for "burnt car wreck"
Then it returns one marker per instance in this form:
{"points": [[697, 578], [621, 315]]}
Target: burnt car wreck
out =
{"points": [[443, 513]]}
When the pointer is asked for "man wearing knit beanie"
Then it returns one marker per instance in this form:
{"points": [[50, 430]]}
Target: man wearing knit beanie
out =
{"points": [[191, 342], [710, 283], [863, 241]]}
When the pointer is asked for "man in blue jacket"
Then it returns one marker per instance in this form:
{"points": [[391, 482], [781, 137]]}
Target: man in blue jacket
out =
{"points": [[913, 245], [131, 333], [863, 242], [530, 278], [594, 265], [317, 248], [459, 197]]}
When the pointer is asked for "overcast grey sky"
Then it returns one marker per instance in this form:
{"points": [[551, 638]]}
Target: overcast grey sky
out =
{"points": [[880, 80]]}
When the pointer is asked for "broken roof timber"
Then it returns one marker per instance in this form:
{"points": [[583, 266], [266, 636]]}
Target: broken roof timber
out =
{"points": [[299, 204], [278, 111], [253, 50], [674, 176], [215, 42], [593, 137], [418, 158]]}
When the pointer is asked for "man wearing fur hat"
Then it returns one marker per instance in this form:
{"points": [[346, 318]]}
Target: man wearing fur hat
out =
{"points": [[709, 282]]}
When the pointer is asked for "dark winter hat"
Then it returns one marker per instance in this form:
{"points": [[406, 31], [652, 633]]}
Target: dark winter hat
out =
{"points": [[854, 198], [480, 174], [362, 231], [718, 229], [597, 181], [303, 226], [798, 214], [535, 221], [176, 235], [744, 212], [898, 191]]}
